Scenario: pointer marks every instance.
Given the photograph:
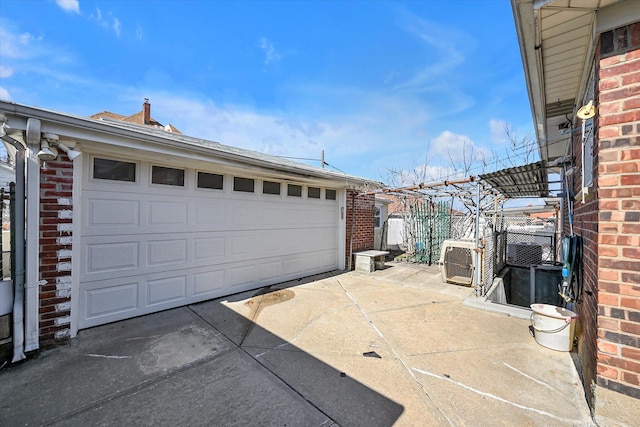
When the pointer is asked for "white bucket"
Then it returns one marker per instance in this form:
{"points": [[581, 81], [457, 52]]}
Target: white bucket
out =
{"points": [[553, 327]]}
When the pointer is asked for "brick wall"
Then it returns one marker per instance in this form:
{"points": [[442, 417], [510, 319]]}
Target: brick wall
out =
{"points": [[56, 183], [363, 208], [586, 225], [618, 205]]}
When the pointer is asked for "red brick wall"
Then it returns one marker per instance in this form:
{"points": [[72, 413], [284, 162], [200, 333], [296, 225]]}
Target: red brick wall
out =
{"points": [[587, 226], [56, 183], [618, 204], [363, 208]]}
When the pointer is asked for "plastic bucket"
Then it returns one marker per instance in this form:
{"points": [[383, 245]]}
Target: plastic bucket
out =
{"points": [[553, 327]]}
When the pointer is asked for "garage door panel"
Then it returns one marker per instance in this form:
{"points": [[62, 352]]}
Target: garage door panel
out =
{"points": [[110, 300], [118, 298], [118, 256], [210, 214], [242, 274], [108, 257], [271, 270], [244, 215], [293, 241], [162, 252], [206, 283], [241, 244], [209, 249], [162, 214], [169, 289], [113, 213]]}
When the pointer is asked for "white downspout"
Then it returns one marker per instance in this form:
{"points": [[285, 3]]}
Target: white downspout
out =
{"points": [[18, 250], [478, 254], [32, 338]]}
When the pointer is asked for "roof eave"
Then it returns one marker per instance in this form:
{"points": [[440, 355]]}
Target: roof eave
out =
{"points": [[525, 22]]}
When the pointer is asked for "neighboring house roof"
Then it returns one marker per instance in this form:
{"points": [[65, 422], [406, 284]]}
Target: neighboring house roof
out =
{"points": [[116, 131], [141, 118], [396, 205], [534, 211], [557, 41]]}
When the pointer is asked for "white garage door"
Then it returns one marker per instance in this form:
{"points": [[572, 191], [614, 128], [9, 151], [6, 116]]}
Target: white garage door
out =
{"points": [[152, 238]]}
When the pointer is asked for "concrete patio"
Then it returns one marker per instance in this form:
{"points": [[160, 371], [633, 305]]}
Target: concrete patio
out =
{"points": [[395, 347]]}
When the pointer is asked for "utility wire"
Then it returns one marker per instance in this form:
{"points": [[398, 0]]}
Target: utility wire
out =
{"points": [[331, 166], [313, 160]]}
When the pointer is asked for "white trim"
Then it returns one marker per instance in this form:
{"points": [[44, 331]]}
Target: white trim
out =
{"points": [[78, 167], [32, 273], [342, 227], [617, 15]]}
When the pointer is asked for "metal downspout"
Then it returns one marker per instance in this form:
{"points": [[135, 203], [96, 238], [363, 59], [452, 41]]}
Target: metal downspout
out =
{"points": [[478, 254], [353, 209], [18, 300]]}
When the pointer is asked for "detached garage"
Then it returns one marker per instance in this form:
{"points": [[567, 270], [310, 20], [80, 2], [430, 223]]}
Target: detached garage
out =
{"points": [[146, 219]]}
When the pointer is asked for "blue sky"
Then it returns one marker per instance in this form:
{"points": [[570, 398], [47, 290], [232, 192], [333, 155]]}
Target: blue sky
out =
{"points": [[409, 86]]}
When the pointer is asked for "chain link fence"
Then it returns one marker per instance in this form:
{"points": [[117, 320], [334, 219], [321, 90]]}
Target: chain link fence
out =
{"points": [[518, 241]]}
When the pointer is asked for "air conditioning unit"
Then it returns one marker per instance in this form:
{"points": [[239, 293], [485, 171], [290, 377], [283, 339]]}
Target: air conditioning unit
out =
{"points": [[457, 261], [524, 254]]}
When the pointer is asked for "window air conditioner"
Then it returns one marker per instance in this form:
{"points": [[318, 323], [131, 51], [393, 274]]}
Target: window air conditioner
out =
{"points": [[457, 261]]}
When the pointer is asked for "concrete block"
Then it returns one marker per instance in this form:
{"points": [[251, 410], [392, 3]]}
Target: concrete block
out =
{"points": [[365, 264]]}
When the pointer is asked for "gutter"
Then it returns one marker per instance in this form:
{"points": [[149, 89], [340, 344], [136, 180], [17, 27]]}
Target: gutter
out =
{"points": [[525, 19]]}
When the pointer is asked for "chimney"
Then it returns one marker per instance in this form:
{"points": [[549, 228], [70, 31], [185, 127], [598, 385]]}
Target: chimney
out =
{"points": [[146, 110]]}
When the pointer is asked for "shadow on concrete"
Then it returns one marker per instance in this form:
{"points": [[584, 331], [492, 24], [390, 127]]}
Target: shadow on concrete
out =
{"points": [[186, 366], [343, 399]]}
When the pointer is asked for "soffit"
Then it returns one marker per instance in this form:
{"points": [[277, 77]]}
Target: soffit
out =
{"points": [[557, 38]]}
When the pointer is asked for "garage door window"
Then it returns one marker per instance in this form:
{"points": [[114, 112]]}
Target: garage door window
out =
{"points": [[330, 194], [210, 180], [243, 184], [294, 190], [269, 187], [167, 176], [313, 193], [114, 170]]}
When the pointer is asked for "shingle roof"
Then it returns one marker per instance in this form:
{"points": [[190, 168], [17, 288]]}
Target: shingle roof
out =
{"points": [[137, 118], [108, 115]]}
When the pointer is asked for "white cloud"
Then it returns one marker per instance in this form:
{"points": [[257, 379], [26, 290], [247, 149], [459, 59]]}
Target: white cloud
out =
{"points": [[139, 32], [456, 148], [72, 6], [271, 55], [4, 94], [116, 26], [109, 21], [497, 129], [444, 55], [16, 45], [5, 72], [422, 174], [445, 42]]}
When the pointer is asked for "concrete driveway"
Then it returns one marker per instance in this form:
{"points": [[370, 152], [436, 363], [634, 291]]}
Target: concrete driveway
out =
{"points": [[395, 347]]}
